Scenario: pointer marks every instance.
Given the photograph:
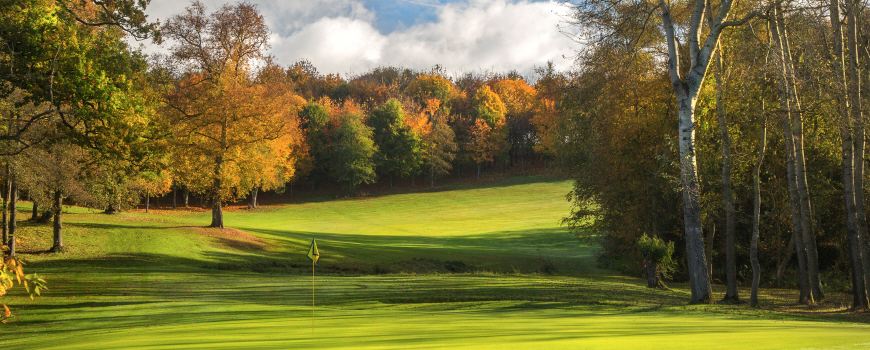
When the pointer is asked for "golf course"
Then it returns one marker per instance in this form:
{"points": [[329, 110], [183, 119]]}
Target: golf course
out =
{"points": [[467, 266]]}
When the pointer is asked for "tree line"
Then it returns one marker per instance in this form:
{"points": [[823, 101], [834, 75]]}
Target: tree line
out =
{"points": [[750, 116], [747, 116], [88, 120]]}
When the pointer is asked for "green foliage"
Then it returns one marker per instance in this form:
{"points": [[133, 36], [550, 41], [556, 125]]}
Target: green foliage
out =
{"points": [[12, 271], [656, 250], [352, 156], [428, 86], [487, 105], [399, 147]]}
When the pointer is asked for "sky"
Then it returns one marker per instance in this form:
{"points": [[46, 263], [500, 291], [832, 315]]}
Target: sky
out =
{"points": [[351, 37]]}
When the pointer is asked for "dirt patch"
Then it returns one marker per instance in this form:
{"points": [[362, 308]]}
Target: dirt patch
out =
{"points": [[233, 238]]}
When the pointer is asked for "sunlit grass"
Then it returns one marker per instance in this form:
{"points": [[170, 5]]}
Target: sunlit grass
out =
{"points": [[467, 267]]}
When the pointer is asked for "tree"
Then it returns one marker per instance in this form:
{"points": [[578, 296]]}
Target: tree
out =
{"points": [[53, 173], [222, 116], [488, 106], [439, 148], [521, 102], [398, 145], [487, 142], [353, 151], [152, 184], [599, 22], [657, 259]]}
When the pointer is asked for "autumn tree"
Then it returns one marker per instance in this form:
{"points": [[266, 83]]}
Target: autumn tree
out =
{"points": [[701, 35], [53, 173], [439, 147], [521, 102], [221, 114], [488, 132]]}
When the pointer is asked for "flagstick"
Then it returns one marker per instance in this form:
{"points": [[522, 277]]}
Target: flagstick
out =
{"points": [[312, 299]]}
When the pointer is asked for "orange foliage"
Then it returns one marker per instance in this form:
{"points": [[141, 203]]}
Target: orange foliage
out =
{"points": [[517, 95], [240, 135]]}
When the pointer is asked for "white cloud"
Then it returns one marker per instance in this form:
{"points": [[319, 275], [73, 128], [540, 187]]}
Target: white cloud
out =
{"points": [[334, 45], [340, 36]]}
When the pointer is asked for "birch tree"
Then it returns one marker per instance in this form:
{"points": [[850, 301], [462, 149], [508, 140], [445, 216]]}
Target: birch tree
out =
{"points": [[598, 19]]}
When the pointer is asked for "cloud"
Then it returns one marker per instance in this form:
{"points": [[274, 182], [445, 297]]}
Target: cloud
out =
{"points": [[343, 36], [333, 45]]}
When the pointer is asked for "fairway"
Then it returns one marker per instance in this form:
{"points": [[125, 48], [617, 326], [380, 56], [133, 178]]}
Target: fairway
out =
{"points": [[467, 266]]}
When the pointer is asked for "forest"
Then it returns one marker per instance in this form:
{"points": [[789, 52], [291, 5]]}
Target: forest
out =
{"points": [[736, 131]]}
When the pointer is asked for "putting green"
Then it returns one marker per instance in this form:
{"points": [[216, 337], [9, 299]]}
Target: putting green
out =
{"points": [[478, 330], [466, 267]]}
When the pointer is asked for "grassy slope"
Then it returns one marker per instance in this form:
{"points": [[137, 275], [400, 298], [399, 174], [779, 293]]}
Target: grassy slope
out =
{"points": [[159, 281]]}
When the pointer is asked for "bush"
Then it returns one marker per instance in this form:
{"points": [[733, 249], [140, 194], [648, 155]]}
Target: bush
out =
{"points": [[658, 259]]}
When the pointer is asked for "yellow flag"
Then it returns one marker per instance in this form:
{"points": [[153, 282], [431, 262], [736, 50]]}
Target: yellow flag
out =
{"points": [[313, 254]]}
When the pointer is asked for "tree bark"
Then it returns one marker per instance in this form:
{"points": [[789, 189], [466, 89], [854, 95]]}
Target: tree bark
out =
{"points": [[13, 222], [34, 215], [708, 248], [254, 197], [147, 202], [58, 224], [186, 197], [731, 294], [858, 139], [807, 226], [756, 214], [686, 92], [7, 190], [175, 198], [806, 296], [783, 262], [217, 215], [859, 289], [653, 275]]}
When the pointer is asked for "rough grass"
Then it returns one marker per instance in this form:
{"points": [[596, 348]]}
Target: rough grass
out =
{"points": [[464, 267]]}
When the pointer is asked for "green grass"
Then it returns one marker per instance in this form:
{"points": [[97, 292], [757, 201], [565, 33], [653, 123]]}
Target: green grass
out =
{"points": [[464, 267]]}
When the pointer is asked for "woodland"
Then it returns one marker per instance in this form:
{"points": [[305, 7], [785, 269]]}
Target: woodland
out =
{"points": [[733, 131]]}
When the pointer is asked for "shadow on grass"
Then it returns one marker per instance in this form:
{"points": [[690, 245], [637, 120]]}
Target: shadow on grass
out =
{"points": [[548, 250]]}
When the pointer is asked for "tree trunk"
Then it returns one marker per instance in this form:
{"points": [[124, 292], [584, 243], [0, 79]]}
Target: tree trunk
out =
{"points": [[7, 190], [731, 294], [858, 139], [653, 275], [186, 197], [254, 197], [432, 176], [807, 225], [13, 222], [791, 176], [783, 262], [523, 163], [859, 289], [708, 248], [34, 215], [478, 171], [686, 92], [699, 280], [756, 214], [175, 198], [147, 202], [217, 215], [58, 224]]}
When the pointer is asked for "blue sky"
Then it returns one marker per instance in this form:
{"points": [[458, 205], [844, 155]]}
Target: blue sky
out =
{"points": [[350, 37]]}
